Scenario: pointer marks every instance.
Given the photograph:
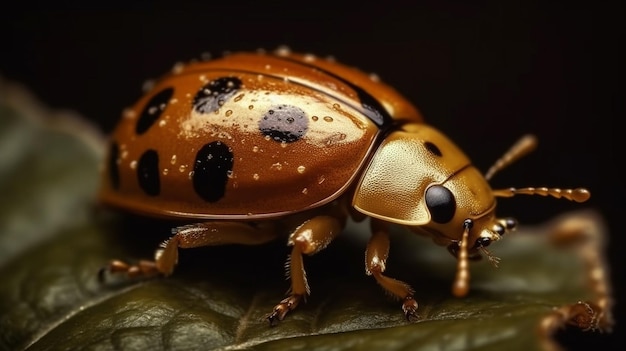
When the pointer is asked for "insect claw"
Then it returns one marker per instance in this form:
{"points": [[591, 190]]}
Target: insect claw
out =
{"points": [[409, 307], [283, 307], [273, 319], [114, 266], [102, 272], [279, 313]]}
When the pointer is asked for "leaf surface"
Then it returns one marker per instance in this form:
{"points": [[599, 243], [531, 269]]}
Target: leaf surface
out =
{"points": [[54, 240]]}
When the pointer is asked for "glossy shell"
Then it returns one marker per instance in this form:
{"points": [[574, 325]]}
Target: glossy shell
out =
{"points": [[248, 136]]}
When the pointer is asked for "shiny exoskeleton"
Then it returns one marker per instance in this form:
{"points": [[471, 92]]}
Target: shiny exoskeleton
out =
{"points": [[253, 147]]}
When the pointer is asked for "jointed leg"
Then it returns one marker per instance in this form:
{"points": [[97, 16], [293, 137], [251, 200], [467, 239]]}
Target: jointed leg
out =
{"points": [[309, 238], [195, 235], [375, 261]]}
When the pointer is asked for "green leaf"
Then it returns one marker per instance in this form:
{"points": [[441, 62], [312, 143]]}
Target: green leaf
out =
{"points": [[54, 239]]}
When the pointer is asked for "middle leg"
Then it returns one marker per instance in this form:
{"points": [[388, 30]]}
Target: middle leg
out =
{"points": [[309, 238]]}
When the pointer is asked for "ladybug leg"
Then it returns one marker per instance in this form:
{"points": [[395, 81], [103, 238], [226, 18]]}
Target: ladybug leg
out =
{"points": [[375, 264], [582, 235], [195, 235], [309, 238], [142, 269]]}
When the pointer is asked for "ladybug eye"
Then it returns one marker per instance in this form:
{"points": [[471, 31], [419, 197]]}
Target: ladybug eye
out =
{"points": [[440, 203]]}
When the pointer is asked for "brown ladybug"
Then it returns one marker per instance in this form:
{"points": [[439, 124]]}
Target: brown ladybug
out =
{"points": [[254, 147]]}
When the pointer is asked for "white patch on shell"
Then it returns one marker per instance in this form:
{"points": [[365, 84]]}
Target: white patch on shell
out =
{"points": [[326, 131]]}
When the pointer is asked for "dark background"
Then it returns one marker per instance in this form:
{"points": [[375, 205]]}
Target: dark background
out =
{"points": [[484, 74]]}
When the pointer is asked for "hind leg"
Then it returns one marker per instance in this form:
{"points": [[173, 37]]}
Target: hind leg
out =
{"points": [[194, 235]]}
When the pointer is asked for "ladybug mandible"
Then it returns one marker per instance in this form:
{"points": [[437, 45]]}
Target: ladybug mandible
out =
{"points": [[254, 147]]}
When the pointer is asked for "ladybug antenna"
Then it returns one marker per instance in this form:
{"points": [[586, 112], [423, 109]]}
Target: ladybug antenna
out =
{"points": [[577, 195], [522, 147], [460, 286]]}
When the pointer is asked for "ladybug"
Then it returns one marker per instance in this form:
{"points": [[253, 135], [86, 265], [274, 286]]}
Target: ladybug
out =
{"points": [[254, 147]]}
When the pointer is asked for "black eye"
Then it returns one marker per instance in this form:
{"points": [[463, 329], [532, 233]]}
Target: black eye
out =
{"points": [[440, 203]]}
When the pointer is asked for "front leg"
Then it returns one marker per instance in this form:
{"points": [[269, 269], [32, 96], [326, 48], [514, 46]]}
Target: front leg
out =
{"points": [[309, 238], [194, 235], [375, 264]]}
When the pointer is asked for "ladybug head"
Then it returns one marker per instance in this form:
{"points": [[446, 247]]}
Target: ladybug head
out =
{"points": [[420, 179]]}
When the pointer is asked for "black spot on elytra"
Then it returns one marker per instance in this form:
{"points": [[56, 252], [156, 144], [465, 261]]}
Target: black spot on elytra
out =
{"points": [[214, 162], [284, 123], [148, 173], [153, 109], [114, 170], [215, 93], [433, 149]]}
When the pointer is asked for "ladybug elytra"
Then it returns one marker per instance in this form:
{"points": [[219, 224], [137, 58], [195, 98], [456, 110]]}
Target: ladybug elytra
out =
{"points": [[254, 147]]}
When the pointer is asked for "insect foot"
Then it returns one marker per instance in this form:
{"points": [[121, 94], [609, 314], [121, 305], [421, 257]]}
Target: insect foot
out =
{"points": [[143, 269], [410, 309], [281, 310]]}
